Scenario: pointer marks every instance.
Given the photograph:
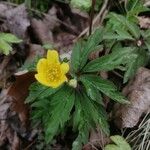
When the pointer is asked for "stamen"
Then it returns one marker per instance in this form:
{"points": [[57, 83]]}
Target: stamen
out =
{"points": [[53, 73]]}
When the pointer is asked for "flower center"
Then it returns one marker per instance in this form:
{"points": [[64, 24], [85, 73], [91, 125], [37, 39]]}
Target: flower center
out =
{"points": [[53, 73]]}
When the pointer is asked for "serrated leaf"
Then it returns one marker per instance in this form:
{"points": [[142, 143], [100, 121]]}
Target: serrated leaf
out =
{"points": [[61, 106], [140, 59], [123, 35], [38, 91], [115, 36], [110, 61], [10, 38], [91, 91], [134, 7], [132, 4], [120, 144], [83, 5], [40, 110], [80, 124], [75, 56], [95, 113], [91, 44], [5, 48], [106, 87], [132, 27], [87, 115], [146, 33], [82, 50]]}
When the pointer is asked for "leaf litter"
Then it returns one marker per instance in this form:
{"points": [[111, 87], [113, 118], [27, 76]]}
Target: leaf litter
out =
{"points": [[60, 30]]}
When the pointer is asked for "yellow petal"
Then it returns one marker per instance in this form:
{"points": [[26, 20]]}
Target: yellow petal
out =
{"points": [[40, 78], [42, 65], [58, 83], [64, 67], [52, 56]]}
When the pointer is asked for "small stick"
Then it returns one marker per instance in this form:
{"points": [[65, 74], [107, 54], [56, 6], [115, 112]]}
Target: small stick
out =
{"points": [[97, 18], [91, 16]]}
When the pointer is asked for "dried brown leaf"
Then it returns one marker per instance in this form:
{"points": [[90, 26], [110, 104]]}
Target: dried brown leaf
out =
{"points": [[144, 22], [138, 93], [18, 92], [17, 21]]}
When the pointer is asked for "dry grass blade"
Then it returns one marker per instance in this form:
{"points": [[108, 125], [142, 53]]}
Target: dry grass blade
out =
{"points": [[139, 139]]}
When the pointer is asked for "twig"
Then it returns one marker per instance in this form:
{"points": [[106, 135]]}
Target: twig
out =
{"points": [[91, 16], [4, 63], [27, 148], [97, 18]]}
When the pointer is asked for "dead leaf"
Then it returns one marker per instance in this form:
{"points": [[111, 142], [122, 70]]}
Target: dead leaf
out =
{"points": [[51, 19], [34, 51], [3, 9], [18, 92], [98, 140], [64, 41], [138, 93], [17, 21], [6, 132], [144, 22], [41, 31]]}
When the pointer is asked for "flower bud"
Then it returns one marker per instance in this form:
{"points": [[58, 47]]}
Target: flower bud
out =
{"points": [[73, 83]]}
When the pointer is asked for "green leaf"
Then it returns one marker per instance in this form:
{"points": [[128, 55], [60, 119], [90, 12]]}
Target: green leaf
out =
{"points": [[134, 7], [40, 110], [91, 45], [147, 43], [95, 113], [39, 91], [80, 123], [123, 35], [106, 87], [5, 40], [10, 38], [5, 48], [146, 33], [61, 105], [87, 115], [120, 144], [91, 91], [82, 50], [83, 5], [140, 59], [124, 22], [75, 56], [110, 61]]}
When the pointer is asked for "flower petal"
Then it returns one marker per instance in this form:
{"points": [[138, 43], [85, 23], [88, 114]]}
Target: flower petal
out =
{"points": [[64, 67], [40, 78], [58, 83], [42, 65], [52, 56]]}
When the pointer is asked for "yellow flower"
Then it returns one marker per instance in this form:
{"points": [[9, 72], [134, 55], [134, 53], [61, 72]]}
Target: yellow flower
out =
{"points": [[50, 71]]}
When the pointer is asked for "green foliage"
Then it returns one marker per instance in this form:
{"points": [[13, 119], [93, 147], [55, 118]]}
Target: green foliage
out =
{"points": [[82, 50], [6, 41], [111, 61], [61, 105], [85, 5], [103, 86], [131, 36], [81, 104], [120, 144], [134, 7], [38, 91]]}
